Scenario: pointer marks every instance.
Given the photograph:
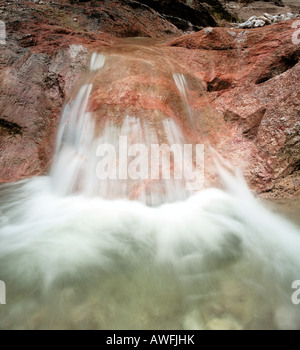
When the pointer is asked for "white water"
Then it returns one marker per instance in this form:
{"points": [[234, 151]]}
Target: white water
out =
{"points": [[77, 147], [75, 260]]}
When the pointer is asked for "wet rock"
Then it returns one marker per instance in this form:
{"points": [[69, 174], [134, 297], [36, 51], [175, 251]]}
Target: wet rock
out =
{"points": [[243, 84], [197, 12], [260, 106]]}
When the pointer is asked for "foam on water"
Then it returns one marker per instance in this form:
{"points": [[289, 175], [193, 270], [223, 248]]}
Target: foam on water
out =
{"points": [[210, 246]]}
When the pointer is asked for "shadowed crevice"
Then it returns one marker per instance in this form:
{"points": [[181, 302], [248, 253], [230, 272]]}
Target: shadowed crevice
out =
{"points": [[280, 66], [12, 128]]}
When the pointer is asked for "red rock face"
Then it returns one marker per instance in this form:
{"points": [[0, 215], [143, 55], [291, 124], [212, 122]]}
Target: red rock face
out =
{"points": [[243, 86], [253, 80]]}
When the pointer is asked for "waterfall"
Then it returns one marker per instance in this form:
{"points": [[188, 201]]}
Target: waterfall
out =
{"points": [[146, 161], [99, 243]]}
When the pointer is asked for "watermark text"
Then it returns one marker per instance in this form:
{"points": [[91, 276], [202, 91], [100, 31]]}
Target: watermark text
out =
{"points": [[296, 34], [296, 294], [2, 292], [2, 33], [165, 162]]}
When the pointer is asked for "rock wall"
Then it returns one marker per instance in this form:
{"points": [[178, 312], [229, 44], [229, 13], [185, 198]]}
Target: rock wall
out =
{"points": [[253, 80], [250, 77]]}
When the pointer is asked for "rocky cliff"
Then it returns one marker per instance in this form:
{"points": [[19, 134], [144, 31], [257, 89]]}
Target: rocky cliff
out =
{"points": [[250, 77]]}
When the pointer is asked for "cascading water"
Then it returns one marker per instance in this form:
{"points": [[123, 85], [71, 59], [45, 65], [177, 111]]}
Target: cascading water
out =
{"points": [[78, 251]]}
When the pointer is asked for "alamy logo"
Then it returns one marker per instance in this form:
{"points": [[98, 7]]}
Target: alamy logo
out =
{"points": [[2, 293], [2, 33], [151, 163], [296, 294], [296, 34]]}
